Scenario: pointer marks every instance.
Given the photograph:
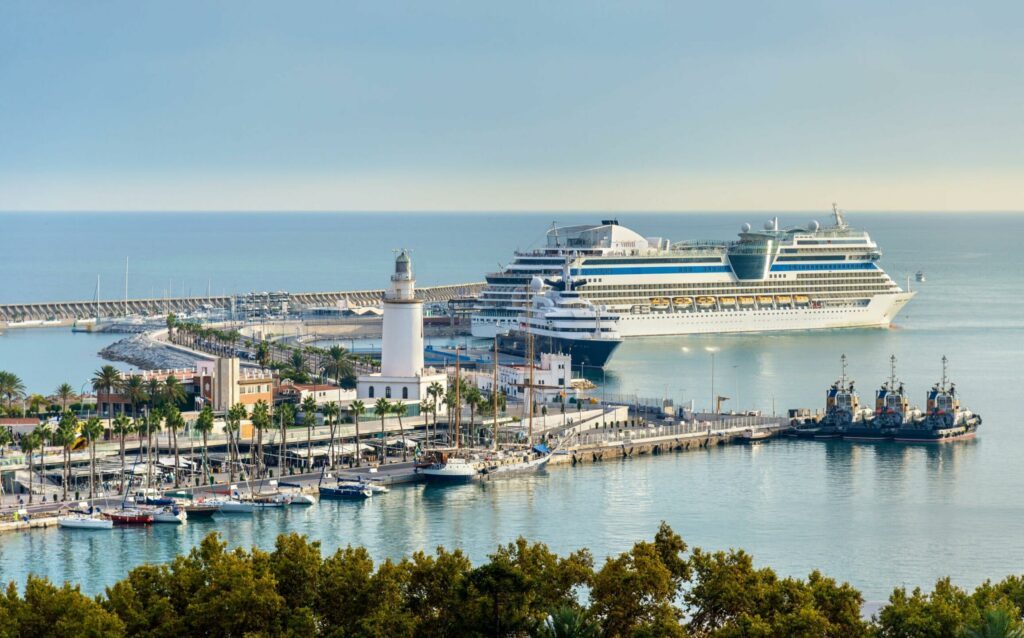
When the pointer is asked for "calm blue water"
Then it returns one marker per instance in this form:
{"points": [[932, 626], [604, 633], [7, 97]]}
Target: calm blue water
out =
{"points": [[876, 515]]}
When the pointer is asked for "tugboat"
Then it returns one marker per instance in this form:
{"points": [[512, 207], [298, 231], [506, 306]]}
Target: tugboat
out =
{"points": [[842, 405], [944, 419], [892, 410]]}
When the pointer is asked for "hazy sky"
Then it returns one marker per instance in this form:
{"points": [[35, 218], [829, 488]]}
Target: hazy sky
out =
{"points": [[516, 105]]}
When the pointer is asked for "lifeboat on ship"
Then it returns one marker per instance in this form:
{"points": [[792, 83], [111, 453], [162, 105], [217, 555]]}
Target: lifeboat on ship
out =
{"points": [[764, 300], [705, 302], [659, 302], [727, 301], [746, 301], [682, 302], [802, 299], [783, 300]]}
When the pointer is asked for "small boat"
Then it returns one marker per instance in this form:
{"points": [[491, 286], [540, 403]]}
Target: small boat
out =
{"points": [[682, 302], [802, 299], [233, 506], [659, 302], [200, 510], [920, 276], [301, 499], [130, 517], [783, 300], [450, 470], [345, 491], [764, 300], [746, 301], [84, 521], [527, 463], [172, 515], [727, 301], [751, 435], [705, 302], [374, 487]]}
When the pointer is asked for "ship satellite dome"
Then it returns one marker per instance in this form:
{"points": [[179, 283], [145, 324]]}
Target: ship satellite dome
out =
{"points": [[813, 226], [745, 227], [769, 225], [536, 284]]}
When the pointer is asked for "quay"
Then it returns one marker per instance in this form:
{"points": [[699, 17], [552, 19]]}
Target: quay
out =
{"points": [[39, 314]]}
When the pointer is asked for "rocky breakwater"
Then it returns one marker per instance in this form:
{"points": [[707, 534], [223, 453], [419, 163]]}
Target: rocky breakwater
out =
{"points": [[143, 351]]}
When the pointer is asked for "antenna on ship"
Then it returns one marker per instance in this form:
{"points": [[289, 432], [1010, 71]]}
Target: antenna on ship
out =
{"points": [[892, 371], [945, 361], [842, 360], [838, 214]]}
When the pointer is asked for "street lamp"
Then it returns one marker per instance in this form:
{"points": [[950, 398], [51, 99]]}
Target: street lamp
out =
{"points": [[712, 350]]}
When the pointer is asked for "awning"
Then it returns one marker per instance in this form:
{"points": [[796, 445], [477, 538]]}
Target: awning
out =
{"points": [[540, 448]]}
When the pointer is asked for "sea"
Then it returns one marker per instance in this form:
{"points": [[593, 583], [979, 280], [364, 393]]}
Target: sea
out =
{"points": [[877, 515]]}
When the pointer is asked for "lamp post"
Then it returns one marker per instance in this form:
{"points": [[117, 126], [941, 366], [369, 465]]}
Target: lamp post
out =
{"points": [[712, 350]]}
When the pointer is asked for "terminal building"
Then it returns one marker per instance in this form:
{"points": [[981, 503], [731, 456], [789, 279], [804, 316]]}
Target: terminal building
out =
{"points": [[403, 377]]}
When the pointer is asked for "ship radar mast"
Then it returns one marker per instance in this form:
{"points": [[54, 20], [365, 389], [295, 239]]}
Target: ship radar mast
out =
{"points": [[945, 362], [842, 360], [892, 372], [838, 214]]}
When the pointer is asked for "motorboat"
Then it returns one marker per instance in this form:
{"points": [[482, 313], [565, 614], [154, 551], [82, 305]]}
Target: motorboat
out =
{"points": [[751, 435], [345, 490], [152, 496], [200, 509], [84, 521], [173, 515], [299, 498], [233, 506], [130, 517]]}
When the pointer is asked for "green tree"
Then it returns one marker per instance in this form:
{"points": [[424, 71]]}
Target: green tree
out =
{"points": [[286, 417], [357, 408], [11, 387], [382, 408], [436, 393], [65, 436], [30, 443], [942, 613], [123, 426], [569, 622], [339, 363], [47, 610], [309, 419], [65, 393], [106, 379], [133, 389], [997, 623], [174, 423], [232, 427], [331, 412], [471, 397], [92, 429], [173, 391], [400, 409], [261, 420], [204, 423]]}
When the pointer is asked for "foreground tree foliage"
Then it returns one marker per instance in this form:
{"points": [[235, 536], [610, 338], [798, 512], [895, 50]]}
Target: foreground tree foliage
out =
{"points": [[656, 589]]}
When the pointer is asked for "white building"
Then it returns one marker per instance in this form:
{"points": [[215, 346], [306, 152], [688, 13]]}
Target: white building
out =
{"points": [[551, 378], [402, 376]]}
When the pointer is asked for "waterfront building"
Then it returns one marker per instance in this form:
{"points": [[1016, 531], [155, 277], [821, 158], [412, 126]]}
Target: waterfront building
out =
{"points": [[402, 376], [322, 393], [234, 384]]}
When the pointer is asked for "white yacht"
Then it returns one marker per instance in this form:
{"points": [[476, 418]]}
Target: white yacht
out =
{"points": [[794, 278]]}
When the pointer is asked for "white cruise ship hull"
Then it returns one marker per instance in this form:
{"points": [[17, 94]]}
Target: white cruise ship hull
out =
{"points": [[878, 313]]}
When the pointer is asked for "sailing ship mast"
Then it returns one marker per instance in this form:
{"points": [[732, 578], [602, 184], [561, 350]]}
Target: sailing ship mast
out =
{"points": [[530, 360], [494, 392], [458, 398]]}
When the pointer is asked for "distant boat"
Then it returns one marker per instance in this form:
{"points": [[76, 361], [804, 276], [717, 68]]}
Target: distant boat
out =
{"points": [[920, 276], [450, 470], [84, 521], [345, 491], [754, 436]]}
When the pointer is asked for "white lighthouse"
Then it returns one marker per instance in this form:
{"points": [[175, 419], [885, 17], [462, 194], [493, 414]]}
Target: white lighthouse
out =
{"points": [[402, 376]]}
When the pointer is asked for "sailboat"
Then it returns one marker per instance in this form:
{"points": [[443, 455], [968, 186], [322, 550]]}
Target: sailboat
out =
{"points": [[448, 466]]}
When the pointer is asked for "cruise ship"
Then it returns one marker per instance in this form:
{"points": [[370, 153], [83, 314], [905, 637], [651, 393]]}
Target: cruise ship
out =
{"points": [[795, 278]]}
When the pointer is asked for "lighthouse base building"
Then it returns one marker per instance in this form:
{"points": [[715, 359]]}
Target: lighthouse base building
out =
{"points": [[402, 378]]}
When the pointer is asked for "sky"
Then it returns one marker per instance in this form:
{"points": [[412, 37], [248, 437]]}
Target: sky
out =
{"points": [[527, 105]]}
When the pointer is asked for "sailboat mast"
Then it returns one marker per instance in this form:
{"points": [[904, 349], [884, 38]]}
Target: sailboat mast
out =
{"points": [[530, 360], [494, 391], [458, 398]]}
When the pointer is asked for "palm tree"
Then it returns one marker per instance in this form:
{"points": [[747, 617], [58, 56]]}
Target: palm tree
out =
{"points": [[133, 388], [174, 423], [286, 415], [65, 393], [65, 436], [471, 396], [232, 424], [309, 418], [400, 409], [205, 425], [30, 442], [425, 409], [339, 363], [5, 438], [92, 429], [173, 391], [122, 428], [382, 407], [11, 387], [331, 413], [357, 408], [261, 420], [436, 392], [998, 623], [569, 622], [452, 401], [107, 378]]}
